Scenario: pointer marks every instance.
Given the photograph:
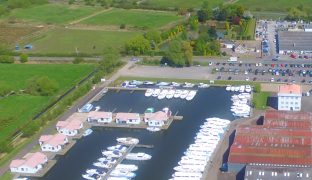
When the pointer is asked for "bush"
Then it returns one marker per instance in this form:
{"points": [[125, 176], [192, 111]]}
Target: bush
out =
{"points": [[4, 89], [122, 26], [257, 88], [78, 60], [42, 86], [223, 53], [31, 129], [71, 1], [5, 146], [7, 59], [23, 58]]}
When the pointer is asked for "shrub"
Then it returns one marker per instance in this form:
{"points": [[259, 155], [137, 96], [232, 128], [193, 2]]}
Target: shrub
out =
{"points": [[42, 86], [122, 26], [5, 146], [6, 59], [23, 58], [31, 129], [78, 60]]}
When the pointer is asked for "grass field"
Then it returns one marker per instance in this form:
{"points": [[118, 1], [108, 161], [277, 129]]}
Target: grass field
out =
{"points": [[181, 3], [274, 5], [12, 34], [65, 41], [16, 110], [133, 18], [260, 100], [51, 13]]}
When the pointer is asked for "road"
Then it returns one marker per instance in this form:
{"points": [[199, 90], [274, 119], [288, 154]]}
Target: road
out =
{"points": [[51, 127]]}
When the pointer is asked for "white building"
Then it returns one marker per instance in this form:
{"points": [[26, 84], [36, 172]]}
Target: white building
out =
{"points": [[156, 119], [70, 127], [31, 163], [53, 143], [100, 117], [289, 97], [128, 118]]}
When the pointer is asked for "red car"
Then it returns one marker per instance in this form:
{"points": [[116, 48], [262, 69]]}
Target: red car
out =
{"points": [[293, 56]]}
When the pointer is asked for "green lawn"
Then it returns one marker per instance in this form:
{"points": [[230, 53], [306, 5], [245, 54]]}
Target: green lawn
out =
{"points": [[17, 110], [65, 41], [180, 3], [260, 100], [274, 5], [52, 13], [133, 18]]}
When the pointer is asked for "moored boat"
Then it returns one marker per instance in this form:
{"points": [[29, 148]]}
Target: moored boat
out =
{"points": [[128, 140], [138, 156]]}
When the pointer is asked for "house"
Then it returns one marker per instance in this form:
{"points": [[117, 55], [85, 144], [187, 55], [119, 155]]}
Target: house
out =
{"points": [[289, 97], [156, 119], [128, 118], [31, 163], [100, 117], [228, 44], [53, 143], [70, 127]]}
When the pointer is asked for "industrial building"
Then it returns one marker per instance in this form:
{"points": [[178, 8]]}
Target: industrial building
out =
{"points": [[284, 139], [294, 42], [277, 172]]}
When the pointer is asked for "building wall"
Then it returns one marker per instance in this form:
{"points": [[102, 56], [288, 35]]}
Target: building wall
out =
{"points": [[133, 121], [155, 123], [68, 132], [26, 169], [48, 147], [289, 102]]}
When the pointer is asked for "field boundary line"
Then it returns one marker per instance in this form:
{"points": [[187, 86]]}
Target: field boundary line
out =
{"points": [[90, 16]]}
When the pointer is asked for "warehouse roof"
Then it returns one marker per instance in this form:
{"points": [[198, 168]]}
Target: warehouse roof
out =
{"points": [[295, 41]]}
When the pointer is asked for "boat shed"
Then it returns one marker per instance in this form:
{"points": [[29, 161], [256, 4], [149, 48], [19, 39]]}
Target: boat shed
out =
{"points": [[277, 172], [281, 140], [294, 42]]}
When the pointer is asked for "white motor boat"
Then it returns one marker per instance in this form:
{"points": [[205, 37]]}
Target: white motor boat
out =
{"points": [[193, 162], [232, 88], [191, 95], [228, 88], [86, 108], [170, 94], [127, 167], [186, 168], [118, 178], [127, 140], [163, 94], [177, 93], [118, 147], [162, 84], [148, 83], [149, 92], [135, 82], [184, 94], [114, 153], [188, 85], [102, 164], [187, 174], [203, 85], [153, 129], [156, 92], [138, 156], [91, 176], [87, 132], [242, 89], [175, 84], [248, 88], [236, 88], [122, 173]]}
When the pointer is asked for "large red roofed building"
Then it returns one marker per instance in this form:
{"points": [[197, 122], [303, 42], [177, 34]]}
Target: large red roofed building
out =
{"points": [[31, 163], [289, 97], [53, 143], [70, 127], [281, 140]]}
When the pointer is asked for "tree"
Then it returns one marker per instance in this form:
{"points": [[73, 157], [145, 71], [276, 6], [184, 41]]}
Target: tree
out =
{"points": [[205, 12], [137, 46], [111, 59], [23, 58], [153, 36], [31, 129], [188, 53], [179, 54], [42, 86], [193, 21]]}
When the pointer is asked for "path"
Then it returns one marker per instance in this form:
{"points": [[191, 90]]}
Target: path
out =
{"points": [[90, 16], [51, 127]]}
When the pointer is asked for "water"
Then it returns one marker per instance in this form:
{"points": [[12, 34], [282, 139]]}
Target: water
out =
{"points": [[169, 145]]}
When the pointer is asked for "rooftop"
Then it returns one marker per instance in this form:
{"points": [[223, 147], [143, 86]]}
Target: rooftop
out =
{"points": [[127, 116], [157, 116], [54, 140], [290, 89], [99, 114], [30, 160], [295, 41], [70, 124]]}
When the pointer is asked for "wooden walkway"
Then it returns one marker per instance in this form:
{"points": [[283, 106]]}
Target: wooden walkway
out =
{"points": [[118, 161]]}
